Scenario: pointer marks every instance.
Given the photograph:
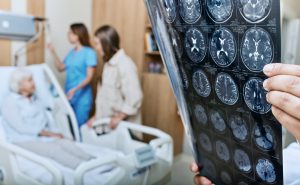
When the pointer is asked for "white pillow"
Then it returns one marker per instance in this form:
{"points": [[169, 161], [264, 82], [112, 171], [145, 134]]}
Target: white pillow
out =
{"points": [[41, 82]]}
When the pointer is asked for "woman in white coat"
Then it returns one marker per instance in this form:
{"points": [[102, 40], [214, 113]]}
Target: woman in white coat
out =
{"points": [[119, 94]]}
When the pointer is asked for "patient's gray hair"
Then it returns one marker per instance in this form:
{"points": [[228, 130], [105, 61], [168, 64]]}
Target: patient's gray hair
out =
{"points": [[16, 78]]}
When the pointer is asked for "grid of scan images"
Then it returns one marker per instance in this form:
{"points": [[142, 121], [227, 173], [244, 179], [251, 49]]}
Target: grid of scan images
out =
{"points": [[219, 49]]}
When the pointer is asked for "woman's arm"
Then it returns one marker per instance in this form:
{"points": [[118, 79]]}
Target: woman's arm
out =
{"points": [[58, 63], [85, 82]]}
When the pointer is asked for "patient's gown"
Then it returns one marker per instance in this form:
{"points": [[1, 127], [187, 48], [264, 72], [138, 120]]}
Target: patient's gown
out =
{"points": [[25, 118]]}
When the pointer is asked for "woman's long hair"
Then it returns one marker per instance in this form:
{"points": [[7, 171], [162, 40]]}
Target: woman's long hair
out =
{"points": [[110, 41], [81, 31]]}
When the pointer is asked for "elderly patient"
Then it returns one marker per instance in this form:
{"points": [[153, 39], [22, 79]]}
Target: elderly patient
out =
{"points": [[29, 127]]}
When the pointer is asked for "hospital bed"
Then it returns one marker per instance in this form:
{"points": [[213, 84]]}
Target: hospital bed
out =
{"points": [[119, 159]]}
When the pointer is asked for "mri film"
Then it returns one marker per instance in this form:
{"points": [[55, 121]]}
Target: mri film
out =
{"points": [[266, 171], [195, 45], [209, 168], [219, 10], [226, 89], [170, 10], [255, 11], [222, 151], [255, 96], [239, 128], [201, 115], [257, 49], [242, 161], [226, 178], [214, 53], [223, 47], [201, 84], [190, 10], [264, 137], [205, 142], [185, 81], [176, 42], [217, 121]]}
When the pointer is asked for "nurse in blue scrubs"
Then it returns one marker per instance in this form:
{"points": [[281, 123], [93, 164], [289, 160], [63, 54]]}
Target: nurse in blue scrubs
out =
{"points": [[79, 66]]}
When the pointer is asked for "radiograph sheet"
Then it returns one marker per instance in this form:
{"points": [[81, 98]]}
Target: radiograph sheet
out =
{"points": [[214, 52]]}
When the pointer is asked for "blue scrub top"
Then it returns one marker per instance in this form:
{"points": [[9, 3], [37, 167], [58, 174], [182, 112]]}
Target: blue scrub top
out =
{"points": [[76, 65]]}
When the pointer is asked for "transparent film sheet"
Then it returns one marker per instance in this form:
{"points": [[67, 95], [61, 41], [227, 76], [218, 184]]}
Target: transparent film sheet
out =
{"points": [[214, 52]]}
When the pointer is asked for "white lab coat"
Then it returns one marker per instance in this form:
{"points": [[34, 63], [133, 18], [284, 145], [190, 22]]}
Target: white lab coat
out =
{"points": [[120, 90]]}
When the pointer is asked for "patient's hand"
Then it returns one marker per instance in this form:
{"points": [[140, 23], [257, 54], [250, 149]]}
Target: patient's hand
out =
{"points": [[199, 180], [51, 134]]}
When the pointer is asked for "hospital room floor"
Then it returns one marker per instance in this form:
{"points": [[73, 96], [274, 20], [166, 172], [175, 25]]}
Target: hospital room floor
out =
{"points": [[180, 172]]}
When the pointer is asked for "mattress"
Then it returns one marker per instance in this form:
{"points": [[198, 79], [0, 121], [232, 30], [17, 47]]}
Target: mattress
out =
{"points": [[97, 176]]}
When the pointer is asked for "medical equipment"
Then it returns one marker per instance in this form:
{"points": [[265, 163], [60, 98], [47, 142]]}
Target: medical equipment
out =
{"points": [[16, 27], [21, 28], [119, 158]]}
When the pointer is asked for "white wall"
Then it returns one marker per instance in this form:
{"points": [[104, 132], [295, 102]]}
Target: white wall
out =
{"points": [[18, 7], [62, 13]]}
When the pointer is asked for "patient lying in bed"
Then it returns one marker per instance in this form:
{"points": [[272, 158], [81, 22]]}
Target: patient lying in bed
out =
{"points": [[28, 126]]}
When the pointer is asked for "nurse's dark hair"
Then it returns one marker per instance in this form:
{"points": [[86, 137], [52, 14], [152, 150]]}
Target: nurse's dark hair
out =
{"points": [[110, 41], [81, 31]]}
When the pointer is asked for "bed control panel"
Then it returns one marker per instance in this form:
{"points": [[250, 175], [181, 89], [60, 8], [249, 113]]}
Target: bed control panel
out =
{"points": [[145, 157]]}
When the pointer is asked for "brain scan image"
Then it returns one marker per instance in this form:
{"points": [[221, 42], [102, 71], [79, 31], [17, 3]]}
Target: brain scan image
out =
{"points": [[223, 47], [219, 10], [255, 96], [176, 42], [201, 115], [256, 49], [226, 89], [263, 136], [255, 11], [201, 84], [214, 52], [222, 151], [242, 161], [195, 45], [209, 168], [190, 10], [226, 178], [266, 171], [217, 121], [170, 10], [205, 142], [239, 128]]}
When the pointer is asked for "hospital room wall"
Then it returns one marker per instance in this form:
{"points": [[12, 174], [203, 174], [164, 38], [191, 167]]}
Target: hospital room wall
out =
{"points": [[5, 46], [35, 53], [62, 13], [128, 17]]}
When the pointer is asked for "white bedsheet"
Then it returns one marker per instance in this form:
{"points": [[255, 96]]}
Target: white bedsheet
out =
{"points": [[96, 176]]}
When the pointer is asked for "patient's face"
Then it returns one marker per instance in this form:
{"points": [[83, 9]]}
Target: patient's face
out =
{"points": [[27, 86]]}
